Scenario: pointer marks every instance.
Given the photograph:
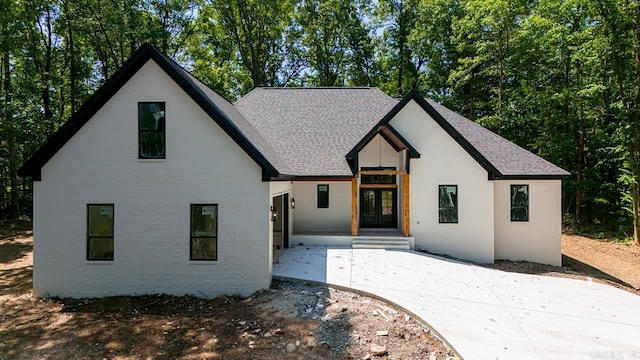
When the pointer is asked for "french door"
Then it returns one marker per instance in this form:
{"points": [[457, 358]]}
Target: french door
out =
{"points": [[378, 208]]}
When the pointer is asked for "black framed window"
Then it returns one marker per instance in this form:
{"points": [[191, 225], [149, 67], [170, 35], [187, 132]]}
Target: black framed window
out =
{"points": [[204, 232], [151, 130], [448, 204], [323, 196], [100, 232], [519, 202], [377, 179]]}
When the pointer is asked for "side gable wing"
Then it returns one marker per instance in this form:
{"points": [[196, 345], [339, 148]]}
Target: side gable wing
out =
{"points": [[485, 147], [33, 166]]}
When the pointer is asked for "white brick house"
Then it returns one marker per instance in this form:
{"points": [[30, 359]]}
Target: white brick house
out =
{"points": [[159, 185]]}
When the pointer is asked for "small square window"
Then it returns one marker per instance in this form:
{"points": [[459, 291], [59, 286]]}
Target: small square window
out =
{"points": [[323, 196], [448, 204], [151, 130], [204, 232], [519, 202], [100, 232]]}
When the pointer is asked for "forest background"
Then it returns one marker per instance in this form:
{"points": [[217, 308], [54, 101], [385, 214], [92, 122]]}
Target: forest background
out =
{"points": [[560, 78]]}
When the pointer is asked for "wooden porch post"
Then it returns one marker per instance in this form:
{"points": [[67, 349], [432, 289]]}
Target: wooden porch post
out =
{"points": [[354, 206], [405, 205]]}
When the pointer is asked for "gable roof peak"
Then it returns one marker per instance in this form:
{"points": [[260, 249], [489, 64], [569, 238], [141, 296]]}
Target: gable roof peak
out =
{"points": [[218, 108]]}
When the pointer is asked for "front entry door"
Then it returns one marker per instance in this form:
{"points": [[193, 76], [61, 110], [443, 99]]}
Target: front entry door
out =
{"points": [[378, 208]]}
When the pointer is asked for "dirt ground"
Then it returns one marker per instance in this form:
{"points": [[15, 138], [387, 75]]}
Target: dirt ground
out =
{"points": [[620, 260], [610, 262], [288, 321]]}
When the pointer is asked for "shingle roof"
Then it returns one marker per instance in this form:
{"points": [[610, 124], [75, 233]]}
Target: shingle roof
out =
{"points": [[304, 131], [241, 123], [312, 129], [508, 158]]}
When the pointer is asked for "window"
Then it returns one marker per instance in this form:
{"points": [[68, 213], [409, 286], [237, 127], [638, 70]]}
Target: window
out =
{"points": [[378, 179], [323, 196], [448, 200], [151, 130], [519, 202], [100, 232], [204, 232]]}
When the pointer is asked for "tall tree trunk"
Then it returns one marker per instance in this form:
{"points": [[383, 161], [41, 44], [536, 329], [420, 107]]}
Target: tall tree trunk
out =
{"points": [[46, 75], [401, 45], [636, 146], [582, 137], [11, 138], [73, 91], [581, 154]]}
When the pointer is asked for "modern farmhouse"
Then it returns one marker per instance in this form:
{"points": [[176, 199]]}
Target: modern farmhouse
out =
{"points": [[159, 185]]}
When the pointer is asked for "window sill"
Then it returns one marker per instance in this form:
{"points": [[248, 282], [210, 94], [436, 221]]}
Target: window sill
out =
{"points": [[152, 160], [203, 262], [99, 262]]}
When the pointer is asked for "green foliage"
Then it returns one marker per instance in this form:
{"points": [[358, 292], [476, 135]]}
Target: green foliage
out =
{"points": [[558, 77]]}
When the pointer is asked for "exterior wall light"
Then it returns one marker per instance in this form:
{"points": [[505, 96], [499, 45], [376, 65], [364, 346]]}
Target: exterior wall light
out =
{"points": [[274, 214], [293, 203]]}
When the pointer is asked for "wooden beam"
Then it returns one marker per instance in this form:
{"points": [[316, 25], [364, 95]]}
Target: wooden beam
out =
{"points": [[378, 186], [354, 206], [405, 205], [381, 172]]}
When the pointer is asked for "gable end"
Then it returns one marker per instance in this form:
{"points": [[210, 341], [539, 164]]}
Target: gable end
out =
{"points": [[33, 166]]}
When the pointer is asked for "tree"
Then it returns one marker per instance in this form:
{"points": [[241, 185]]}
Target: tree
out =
{"points": [[257, 32]]}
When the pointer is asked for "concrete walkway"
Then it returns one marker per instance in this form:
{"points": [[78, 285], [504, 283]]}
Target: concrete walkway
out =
{"points": [[484, 313]]}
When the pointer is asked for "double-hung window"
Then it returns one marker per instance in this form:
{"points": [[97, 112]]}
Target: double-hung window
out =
{"points": [[204, 232], [100, 232], [448, 204], [519, 202], [151, 130]]}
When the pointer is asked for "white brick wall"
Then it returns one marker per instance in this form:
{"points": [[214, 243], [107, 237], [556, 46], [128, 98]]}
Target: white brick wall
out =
{"points": [[539, 239], [444, 162], [310, 218], [152, 203]]}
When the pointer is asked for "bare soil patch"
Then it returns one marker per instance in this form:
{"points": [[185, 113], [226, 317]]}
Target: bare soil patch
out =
{"points": [[604, 261], [288, 321], [619, 260]]}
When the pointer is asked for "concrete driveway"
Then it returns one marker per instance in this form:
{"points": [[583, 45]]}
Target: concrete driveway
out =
{"points": [[484, 313]]}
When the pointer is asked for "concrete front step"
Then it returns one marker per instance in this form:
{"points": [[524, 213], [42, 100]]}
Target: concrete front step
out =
{"points": [[380, 243]]}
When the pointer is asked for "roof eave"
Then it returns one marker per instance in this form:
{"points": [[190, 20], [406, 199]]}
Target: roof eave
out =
{"points": [[534, 177]]}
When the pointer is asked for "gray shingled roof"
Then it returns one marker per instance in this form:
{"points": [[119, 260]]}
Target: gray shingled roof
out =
{"points": [[508, 158], [312, 129], [241, 123]]}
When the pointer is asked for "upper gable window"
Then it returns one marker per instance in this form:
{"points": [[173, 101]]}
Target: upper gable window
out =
{"points": [[377, 179], [151, 130]]}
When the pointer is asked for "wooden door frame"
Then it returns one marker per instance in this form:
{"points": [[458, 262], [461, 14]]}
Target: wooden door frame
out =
{"points": [[405, 226]]}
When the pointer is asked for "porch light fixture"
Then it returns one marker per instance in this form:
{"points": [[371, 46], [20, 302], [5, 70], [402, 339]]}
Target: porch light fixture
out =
{"points": [[274, 214], [293, 203]]}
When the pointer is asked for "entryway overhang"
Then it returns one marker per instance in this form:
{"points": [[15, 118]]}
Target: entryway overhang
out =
{"points": [[394, 139]]}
